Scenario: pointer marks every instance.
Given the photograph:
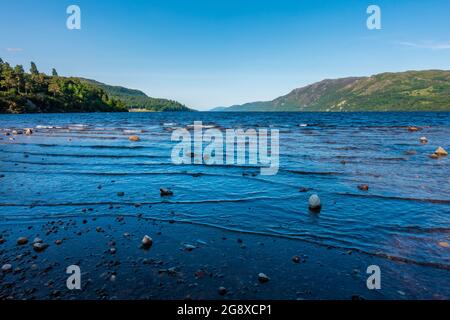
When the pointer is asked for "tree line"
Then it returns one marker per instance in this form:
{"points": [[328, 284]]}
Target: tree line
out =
{"points": [[34, 91]]}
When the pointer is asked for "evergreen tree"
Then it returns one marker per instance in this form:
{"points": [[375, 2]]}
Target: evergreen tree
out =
{"points": [[34, 70], [54, 73]]}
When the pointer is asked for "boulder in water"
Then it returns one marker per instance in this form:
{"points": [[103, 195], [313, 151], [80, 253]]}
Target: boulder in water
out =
{"points": [[134, 138], [423, 140], [21, 241], [314, 203], [363, 187], [147, 242], [440, 152], [165, 192]]}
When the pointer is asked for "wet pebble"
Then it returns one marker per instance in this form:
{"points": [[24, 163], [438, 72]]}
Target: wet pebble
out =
{"points": [[263, 278], [21, 241], [147, 242]]}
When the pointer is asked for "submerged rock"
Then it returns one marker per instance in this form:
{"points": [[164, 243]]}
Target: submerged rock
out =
{"points": [[165, 192], [134, 138], [222, 291], [444, 244], [413, 129], [147, 242], [423, 140], [314, 203], [120, 194], [6, 268], [296, 259], [39, 246], [363, 187], [21, 241], [263, 278]]}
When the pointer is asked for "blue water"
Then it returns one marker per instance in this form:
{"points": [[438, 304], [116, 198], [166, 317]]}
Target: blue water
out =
{"points": [[57, 171]]}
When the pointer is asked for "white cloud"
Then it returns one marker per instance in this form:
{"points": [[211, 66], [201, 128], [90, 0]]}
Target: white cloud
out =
{"points": [[14, 49], [431, 45]]}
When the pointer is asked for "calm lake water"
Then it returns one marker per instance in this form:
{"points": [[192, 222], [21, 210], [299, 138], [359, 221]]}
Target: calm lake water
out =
{"points": [[57, 171]]}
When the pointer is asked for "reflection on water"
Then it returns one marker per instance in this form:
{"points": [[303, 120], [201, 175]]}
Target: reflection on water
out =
{"points": [[78, 161]]}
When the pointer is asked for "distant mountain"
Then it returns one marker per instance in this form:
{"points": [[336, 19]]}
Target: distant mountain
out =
{"points": [[403, 91], [136, 99]]}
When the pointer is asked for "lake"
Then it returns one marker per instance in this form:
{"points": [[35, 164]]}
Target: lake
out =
{"points": [[75, 165]]}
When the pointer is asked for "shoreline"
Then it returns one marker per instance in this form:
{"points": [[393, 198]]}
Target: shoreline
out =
{"points": [[193, 262]]}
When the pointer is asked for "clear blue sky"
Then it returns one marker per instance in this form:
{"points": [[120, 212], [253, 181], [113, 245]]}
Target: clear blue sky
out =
{"points": [[208, 53]]}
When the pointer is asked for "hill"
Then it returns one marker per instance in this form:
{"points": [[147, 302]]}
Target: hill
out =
{"points": [[403, 91]]}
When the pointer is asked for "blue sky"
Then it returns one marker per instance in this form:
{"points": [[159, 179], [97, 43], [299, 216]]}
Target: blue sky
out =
{"points": [[208, 53]]}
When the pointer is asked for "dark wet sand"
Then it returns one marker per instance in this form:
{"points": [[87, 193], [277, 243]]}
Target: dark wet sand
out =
{"points": [[169, 271]]}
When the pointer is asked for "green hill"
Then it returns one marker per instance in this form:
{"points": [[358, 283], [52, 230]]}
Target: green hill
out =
{"points": [[136, 99], [404, 91], [36, 92]]}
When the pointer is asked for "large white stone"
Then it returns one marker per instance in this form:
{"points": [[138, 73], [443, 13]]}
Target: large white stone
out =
{"points": [[314, 202]]}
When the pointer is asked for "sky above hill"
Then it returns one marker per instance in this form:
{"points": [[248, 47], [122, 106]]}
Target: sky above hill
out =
{"points": [[208, 53]]}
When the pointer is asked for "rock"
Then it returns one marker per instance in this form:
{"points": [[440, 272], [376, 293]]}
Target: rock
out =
{"points": [[37, 240], [40, 247], [363, 187], [112, 250], [433, 156], [423, 140], [6, 268], [263, 278], [444, 244], [314, 203], [120, 194], [134, 138], [413, 129], [21, 241], [99, 229], [303, 189], [222, 291], [410, 152], [296, 259], [440, 152], [147, 242], [165, 192], [58, 242], [17, 132], [28, 131], [189, 247]]}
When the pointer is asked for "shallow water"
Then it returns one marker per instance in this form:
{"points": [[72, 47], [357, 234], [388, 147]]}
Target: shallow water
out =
{"points": [[57, 171]]}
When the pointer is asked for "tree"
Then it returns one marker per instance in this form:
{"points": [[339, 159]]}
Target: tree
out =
{"points": [[54, 73], [19, 74], [8, 81], [34, 70], [53, 86]]}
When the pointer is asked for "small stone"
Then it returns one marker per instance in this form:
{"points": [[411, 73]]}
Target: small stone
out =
{"points": [[165, 192], [263, 278], [147, 242], [189, 247], [6, 268], [58, 242], [423, 140], [113, 278], [363, 187], [112, 250], [413, 129], [444, 244], [222, 291], [99, 229], [21, 241], [40, 247], [37, 240], [296, 259], [314, 203], [28, 131], [303, 189], [134, 138], [120, 194], [2, 240]]}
